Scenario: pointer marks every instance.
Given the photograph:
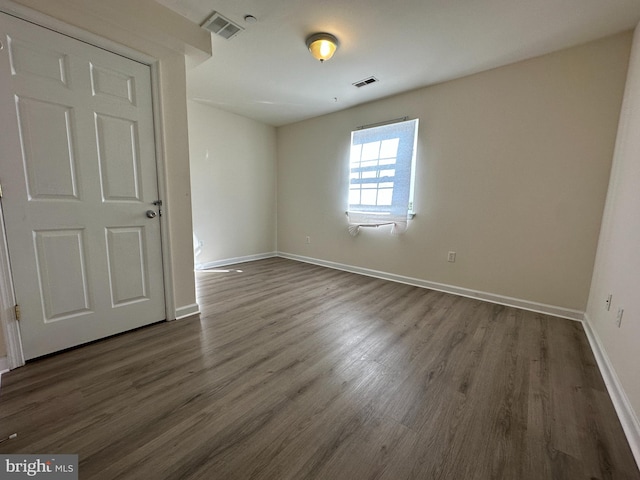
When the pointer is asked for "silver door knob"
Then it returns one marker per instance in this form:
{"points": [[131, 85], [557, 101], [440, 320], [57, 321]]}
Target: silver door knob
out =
{"points": [[151, 214]]}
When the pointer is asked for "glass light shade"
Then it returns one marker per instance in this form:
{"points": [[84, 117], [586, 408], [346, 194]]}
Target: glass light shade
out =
{"points": [[322, 46]]}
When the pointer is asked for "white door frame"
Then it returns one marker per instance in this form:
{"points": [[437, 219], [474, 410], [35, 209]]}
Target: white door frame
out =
{"points": [[10, 326]]}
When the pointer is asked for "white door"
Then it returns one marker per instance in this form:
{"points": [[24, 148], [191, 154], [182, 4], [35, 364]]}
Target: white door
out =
{"points": [[78, 173]]}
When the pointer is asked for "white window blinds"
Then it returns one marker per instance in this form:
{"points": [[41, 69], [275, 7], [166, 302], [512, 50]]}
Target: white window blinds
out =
{"points": [[382, 167]]}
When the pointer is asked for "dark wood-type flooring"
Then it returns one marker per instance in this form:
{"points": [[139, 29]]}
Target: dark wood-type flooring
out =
{"points": [[298, 372]]}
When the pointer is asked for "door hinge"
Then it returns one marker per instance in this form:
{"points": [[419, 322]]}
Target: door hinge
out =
{"points": [[17, 312], [0, 190]]}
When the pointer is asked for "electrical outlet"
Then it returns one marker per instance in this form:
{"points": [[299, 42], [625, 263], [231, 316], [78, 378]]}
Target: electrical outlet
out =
{"points": [[607, 303], [308, 240], [451, 257], [619, 317]]}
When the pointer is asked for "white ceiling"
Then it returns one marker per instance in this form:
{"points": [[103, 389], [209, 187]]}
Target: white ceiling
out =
{"points": [[266, 72]]}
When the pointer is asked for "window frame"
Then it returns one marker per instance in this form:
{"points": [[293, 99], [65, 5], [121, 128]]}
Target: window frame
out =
{"points": [[403, 180]]}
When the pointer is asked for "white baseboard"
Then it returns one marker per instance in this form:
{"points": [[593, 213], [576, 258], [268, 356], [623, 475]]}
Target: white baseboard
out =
{"points": [[627, 416], [232, 261], [463, 292], [187, 311]]}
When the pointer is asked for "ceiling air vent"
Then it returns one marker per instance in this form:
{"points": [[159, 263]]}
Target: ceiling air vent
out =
{"points": [[222, 26], [366, 81]]}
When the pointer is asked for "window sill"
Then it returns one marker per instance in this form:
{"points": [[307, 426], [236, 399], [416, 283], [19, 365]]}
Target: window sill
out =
{"points": [[410, 215]]}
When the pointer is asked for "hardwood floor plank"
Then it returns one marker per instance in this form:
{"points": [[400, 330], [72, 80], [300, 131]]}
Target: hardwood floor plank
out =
{"points": [[295, 371]]}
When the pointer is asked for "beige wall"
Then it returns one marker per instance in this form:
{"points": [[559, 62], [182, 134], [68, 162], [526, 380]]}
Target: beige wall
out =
{"points": [[150, 28], [233, 182], [178, 201], [617, 269], [512, 174]]}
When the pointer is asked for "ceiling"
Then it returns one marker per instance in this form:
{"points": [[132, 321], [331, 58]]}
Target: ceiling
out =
{"points": [[266, 72]]}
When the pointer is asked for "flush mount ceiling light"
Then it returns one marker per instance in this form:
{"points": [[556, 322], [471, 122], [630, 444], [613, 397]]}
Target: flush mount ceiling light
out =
{"points": [[322, 45]]}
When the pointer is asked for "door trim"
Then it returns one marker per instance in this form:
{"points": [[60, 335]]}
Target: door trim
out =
{"points": [[163, 188], [8, 322]]}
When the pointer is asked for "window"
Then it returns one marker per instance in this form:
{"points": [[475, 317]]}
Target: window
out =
{"points": [[382, 167]]}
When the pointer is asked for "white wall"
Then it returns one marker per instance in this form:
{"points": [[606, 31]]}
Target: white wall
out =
{"points": [[617, 268], [233, 184], [512, 174]]}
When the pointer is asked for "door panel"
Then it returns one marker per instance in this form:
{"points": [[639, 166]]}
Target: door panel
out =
{"points": [[47, 149], [128, 271], [118, 148], [117, 85], [78, 172], [60, 254], [32, 60]]}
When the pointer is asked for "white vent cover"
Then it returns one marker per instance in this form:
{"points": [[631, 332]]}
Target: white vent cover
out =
{"points": [[222, 26], [366, 81]]}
